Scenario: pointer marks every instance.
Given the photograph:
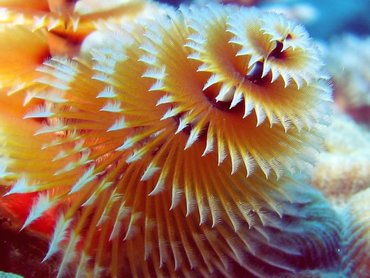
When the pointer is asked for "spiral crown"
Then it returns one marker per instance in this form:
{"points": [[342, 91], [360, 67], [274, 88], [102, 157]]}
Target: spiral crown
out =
{"points": [[164, 132]]}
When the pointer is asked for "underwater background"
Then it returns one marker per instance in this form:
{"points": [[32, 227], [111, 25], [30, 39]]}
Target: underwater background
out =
{"points": [[323, 19], [334, 208]]}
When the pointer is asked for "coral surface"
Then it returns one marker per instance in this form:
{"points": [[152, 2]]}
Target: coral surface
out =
{"points": [[348, 60], [343, 167], [356, 246]]}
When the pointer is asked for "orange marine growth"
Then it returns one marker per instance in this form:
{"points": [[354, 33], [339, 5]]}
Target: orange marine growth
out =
{"points": [[69, 22], [171, 149]]}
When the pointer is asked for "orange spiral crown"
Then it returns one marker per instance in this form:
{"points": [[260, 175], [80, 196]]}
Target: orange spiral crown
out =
{"points": [[172, 147]]}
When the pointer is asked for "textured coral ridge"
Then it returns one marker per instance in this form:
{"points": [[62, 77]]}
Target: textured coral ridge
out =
{"points": [[356, 246], [342, 169], [172, 151]]}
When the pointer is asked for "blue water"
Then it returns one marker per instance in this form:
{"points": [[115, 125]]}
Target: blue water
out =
{"points": [[334, 17]]}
